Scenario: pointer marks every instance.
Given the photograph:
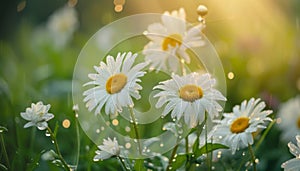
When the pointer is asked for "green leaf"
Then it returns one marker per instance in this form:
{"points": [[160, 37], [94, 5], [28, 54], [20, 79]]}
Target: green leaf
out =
{"points": [[210, 147], [179, 161]]}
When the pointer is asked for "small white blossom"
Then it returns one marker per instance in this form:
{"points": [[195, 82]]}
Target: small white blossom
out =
{"points": [[37, 115], [108, 149]]}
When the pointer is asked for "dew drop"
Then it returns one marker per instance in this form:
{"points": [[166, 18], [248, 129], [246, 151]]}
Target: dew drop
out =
{"points": [[47, 133], [97, 131], [161, 145], [52, 141], [256, 160], [243, 154]]}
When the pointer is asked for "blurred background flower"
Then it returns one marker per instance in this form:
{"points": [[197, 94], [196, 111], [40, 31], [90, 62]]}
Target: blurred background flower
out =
{"points": [[258, 43]]}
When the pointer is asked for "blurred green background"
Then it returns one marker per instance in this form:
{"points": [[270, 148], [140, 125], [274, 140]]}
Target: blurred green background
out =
{"points": [[258, 43]]}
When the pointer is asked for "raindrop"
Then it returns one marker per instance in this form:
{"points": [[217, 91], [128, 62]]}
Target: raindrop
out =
{"points": [[161, 145], [47, 133], [97, 131], [174, 160], [213, 168], [175, 155], [174, 119], [162, 117], [243, 154], [52, 141], [197, 165], [76, 115], [131, 121], [127, 129], [256, 160]]}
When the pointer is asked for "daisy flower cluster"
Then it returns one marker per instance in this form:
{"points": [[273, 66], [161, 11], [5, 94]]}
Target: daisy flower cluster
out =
{"points": [[190, 98], [186, 97]]}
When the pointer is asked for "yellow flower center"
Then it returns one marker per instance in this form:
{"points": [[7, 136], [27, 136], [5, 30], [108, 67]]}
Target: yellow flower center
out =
{"points": [[116, 83], [172, 40], [190, 92], [239, 125], [298, 122]]}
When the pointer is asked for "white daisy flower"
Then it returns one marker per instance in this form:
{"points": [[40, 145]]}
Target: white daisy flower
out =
{"points": [[62, 24], [189, 96], [289, 117], [293, 164], [37, 115], [235, 129], [170, 39], [108, 149], [115, 83]]}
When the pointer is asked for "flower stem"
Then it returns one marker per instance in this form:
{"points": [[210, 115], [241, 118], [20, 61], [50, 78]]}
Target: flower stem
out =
{"points": [[169, 167], [135, 130], [187, 144], [78, 142], [5, 152], [122, 163], [209, 159], [252, 156], [53, 137]]}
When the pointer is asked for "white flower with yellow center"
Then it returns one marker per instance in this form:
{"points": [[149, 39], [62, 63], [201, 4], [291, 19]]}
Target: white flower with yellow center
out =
{"points": [[115, 83], [62, 24], [169, 41], [293, 164], [289, 117], [109, 149], [235, 129], [37, 115], [189, 96]]}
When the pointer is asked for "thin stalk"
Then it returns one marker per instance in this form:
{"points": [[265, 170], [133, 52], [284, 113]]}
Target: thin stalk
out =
{"points": [[187, 144], [66, 166], [252, 156], [135, 129], [209, 162], [5, 152], [78, 143], [172, 157], [264, 134], [122, 163]]}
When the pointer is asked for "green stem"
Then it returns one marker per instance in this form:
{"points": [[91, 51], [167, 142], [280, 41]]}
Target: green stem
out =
{"points": [[252, 156], [5, 152], [264, 134], [172, 157], [209, 162], [122, 163], [187, 144], [53, 137], [78, 142], [135, 130]]}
